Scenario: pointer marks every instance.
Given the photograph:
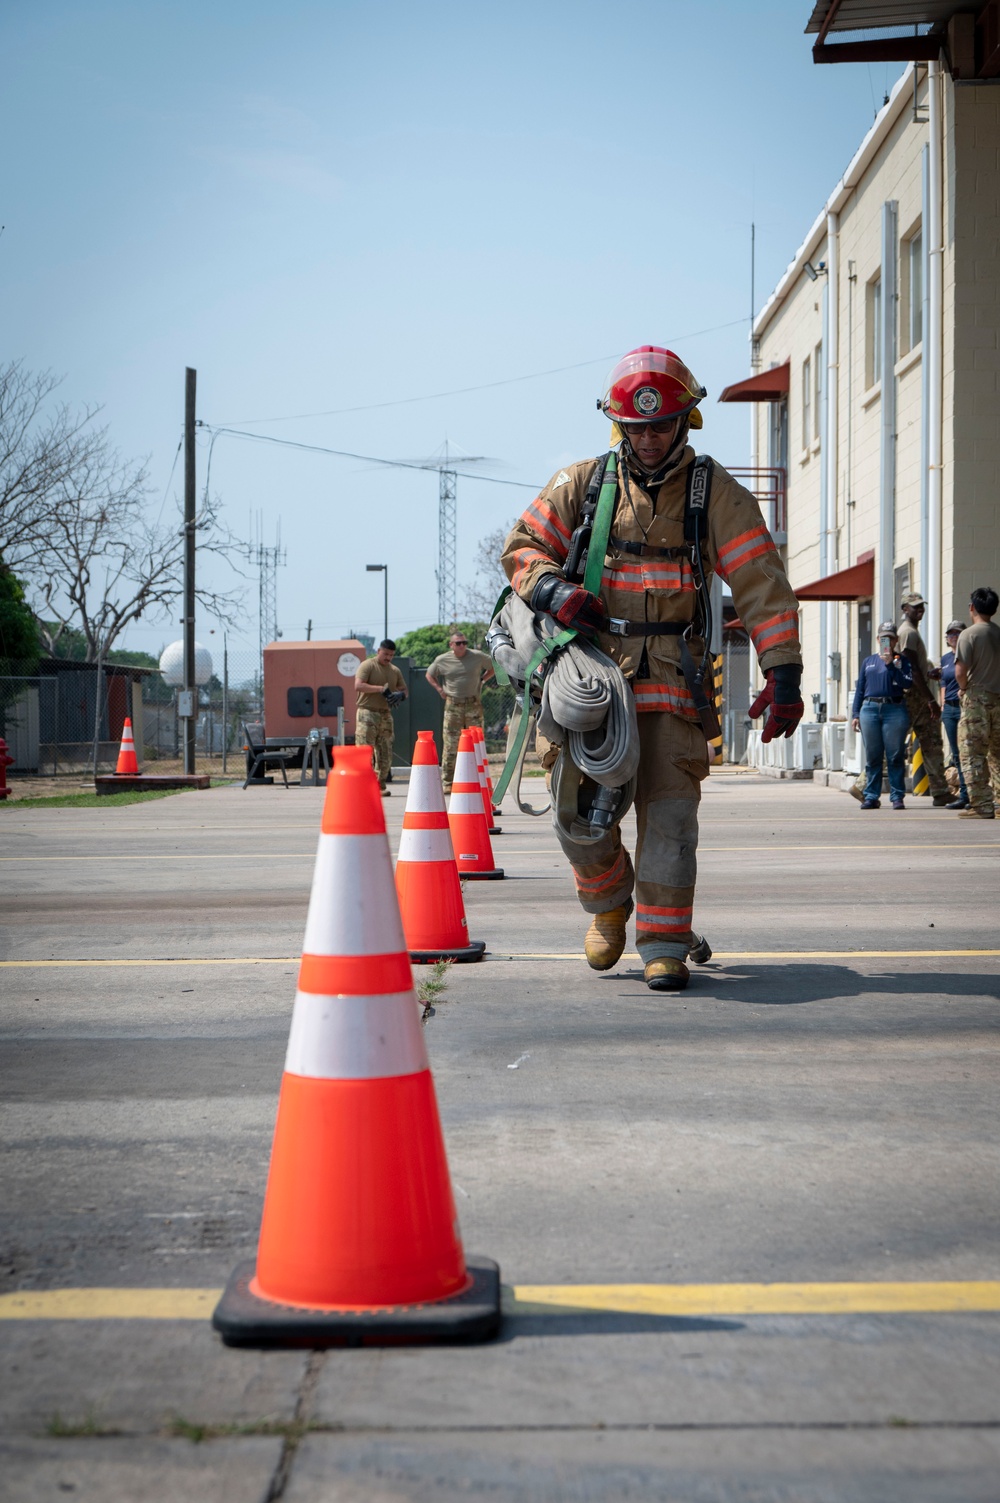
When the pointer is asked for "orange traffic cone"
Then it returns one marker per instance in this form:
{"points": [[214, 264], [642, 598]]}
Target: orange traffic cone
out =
{"points": [[127, 765], [359, 1240], [470, 833], [484, 779], [430, 894], [494, 808]]}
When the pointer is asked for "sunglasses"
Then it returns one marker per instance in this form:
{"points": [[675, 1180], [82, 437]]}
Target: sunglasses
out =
{"points": [[662, 425], [460, 642]]}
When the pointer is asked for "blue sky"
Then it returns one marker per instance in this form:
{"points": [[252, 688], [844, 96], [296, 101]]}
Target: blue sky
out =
{"points": [[328, 206]]}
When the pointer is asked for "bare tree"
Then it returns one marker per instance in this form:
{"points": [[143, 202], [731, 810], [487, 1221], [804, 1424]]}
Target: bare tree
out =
{"points": [[40, 453], [479, 598], [103, 564]]}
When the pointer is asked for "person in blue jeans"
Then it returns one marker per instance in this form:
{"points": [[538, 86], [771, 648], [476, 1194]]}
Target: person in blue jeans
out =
{"points": [[951, 709], [880, 715]]}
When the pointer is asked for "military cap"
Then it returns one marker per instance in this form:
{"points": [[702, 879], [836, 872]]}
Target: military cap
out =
{"points": [[954, 626], [913, 598]]}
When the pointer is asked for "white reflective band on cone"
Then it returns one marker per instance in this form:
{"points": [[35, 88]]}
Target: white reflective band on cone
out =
{"points": [[426, 845], [425, 795], [355, 1038], [353, 909], [467, 803]]}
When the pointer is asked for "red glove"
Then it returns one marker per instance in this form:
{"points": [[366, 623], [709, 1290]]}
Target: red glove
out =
{"points": [[781, 699], [568, 604]]}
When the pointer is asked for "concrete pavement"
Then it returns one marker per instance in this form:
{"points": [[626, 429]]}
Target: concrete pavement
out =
{"points": [[810, 1110]]}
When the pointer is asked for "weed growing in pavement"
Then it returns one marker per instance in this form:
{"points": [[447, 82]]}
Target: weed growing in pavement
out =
{"points": [[433, 985], [61, 1429]]}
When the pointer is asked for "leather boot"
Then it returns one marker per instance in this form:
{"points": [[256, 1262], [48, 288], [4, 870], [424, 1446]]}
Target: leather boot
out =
{"points": [[666, 975], [604, 942]]}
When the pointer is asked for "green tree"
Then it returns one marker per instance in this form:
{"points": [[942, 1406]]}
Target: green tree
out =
{"points": [[423, 645], [19, 642]]}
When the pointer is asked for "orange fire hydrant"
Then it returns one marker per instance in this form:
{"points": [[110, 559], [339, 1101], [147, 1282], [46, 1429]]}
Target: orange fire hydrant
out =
{"points": [[5, 761]]}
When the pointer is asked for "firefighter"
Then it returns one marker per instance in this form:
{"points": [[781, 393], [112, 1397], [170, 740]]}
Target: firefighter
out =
{"points": [[653, 588]]}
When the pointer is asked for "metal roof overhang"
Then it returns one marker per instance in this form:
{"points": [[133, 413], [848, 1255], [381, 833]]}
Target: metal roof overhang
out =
{"points": [[872, 15], [855, 583], [766, 386]]}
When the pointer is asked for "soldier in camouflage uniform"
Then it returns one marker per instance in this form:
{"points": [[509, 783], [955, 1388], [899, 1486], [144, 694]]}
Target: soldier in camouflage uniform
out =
{"points": [[380, 685], [458, 676], [648, 594], [921, 700], [977, 669]]}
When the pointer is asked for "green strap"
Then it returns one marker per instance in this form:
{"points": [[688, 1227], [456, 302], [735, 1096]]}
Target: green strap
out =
{"points": [[603, 518], [596, 552]]}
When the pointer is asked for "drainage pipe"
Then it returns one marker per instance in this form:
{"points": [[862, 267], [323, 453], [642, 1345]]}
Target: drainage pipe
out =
{"points": [[933, 353], [831, 418]]}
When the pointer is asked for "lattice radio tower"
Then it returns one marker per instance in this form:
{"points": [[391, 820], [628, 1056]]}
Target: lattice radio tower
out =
{"points": [[268, 560], [447, 568]]}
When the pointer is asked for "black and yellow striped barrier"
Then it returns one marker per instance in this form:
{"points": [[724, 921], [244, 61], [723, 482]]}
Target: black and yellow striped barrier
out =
{"points": [[718, 674]]}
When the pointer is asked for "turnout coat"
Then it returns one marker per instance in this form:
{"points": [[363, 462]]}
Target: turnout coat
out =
{"points": [[737, 546]]}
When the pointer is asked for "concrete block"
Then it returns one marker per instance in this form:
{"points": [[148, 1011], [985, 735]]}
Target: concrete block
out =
{"points": [[119, 1470]]}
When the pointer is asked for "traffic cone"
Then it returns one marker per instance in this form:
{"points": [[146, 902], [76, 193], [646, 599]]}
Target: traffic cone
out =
{"points": [[484, 778], [430, 893], [359, 1241], [470, 833], [127, 767]]}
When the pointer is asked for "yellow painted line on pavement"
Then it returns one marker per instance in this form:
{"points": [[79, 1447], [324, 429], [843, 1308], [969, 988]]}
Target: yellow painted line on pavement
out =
{"points": [[761, 954], [508, 955], [764, 1299], [939, 1297]]}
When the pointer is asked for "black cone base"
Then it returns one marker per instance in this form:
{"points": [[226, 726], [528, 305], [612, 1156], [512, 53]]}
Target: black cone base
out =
{"points": [[243, 1319], [492, 876], [473, 951]]}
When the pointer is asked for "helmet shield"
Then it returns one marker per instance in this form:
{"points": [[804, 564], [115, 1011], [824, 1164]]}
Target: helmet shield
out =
{"points": [[648, 384]]}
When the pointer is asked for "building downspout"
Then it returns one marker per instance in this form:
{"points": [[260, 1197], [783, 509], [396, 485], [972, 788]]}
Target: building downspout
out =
{"points": [[888, 606], [933, 356], [824, 517], [831, 418]]}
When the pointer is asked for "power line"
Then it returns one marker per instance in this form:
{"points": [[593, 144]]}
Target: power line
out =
{"points": [[396, 464], [460, 391]]}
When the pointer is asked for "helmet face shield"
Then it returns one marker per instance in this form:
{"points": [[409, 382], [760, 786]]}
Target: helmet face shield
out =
{"points": [[650, 384]]}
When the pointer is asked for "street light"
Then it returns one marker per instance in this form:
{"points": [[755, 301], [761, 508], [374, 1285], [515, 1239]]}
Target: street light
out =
{"points": [[384, 570]]}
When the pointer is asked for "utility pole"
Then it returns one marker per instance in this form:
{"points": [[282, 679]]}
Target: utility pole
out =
{"points": [[190, 689], [309, 630]]}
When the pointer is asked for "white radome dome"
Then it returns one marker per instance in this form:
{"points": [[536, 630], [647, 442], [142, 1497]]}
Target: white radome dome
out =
{"points": [[172, 664]]}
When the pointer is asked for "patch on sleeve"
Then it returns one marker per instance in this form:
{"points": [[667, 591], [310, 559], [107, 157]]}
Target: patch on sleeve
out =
{"points": [[561, 479]]}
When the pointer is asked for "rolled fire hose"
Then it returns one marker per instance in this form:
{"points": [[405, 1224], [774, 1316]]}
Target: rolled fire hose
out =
{"points": [[586, 707]]}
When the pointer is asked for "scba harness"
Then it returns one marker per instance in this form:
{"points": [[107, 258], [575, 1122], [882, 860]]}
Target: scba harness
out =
{"points": [[585, 565]]}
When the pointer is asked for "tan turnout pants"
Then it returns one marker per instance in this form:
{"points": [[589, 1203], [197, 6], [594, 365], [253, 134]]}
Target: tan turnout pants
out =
{"points": [[673, 761]]}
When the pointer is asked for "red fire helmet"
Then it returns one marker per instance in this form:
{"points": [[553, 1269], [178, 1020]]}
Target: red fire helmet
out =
{"points": [[650, 383]]}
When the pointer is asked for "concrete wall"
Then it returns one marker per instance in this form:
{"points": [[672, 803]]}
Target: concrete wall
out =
{"points": [[791, 326], [971, 551]]}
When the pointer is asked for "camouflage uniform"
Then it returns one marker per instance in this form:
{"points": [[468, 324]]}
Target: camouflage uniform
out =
{"points": [[373, 725], [979, 747], [374, 728], [924, 723], [647, 585], [459, 714]]}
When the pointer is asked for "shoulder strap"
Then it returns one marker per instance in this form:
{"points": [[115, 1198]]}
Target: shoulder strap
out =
{"points": [[699, 494], [602, 525]]}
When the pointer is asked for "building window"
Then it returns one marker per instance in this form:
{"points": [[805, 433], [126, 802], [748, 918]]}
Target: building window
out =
{"points": [[873, 331], [817, 390], [911, 292], [777, 436], [806, 402]]}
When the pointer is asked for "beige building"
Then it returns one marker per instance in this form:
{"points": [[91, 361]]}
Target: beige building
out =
{"points": [[876, 384]]}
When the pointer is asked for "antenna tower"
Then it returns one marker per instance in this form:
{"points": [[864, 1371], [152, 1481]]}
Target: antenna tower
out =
{"points": [[268, 560]]}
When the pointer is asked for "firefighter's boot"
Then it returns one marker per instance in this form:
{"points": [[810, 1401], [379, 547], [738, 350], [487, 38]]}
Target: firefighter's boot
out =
{"points": [[666, 975], [604, 941]]}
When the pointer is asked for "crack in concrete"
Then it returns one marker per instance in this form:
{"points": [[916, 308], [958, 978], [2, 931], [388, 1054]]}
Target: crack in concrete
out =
{"points": [[299, 1426]]}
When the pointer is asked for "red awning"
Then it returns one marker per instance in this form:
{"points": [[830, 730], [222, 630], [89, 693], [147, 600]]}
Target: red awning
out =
{"points": [[766, 386], [855, 583]]}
